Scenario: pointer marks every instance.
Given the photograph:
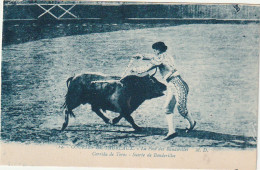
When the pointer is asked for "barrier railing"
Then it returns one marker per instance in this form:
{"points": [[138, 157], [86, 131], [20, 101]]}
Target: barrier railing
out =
{"points": [[123, 12], [66, 11]]}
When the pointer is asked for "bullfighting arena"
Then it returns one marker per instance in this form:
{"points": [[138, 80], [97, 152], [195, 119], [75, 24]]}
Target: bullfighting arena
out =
{"points": [[218, 61]]}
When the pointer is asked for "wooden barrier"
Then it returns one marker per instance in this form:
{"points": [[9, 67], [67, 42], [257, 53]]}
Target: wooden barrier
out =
{"points": [[126, 12]]}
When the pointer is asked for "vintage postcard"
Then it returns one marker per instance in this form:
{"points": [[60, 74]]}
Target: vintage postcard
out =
{"points": [[124, 84]]}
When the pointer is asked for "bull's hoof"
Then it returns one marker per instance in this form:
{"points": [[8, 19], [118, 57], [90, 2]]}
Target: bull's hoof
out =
{"points": [[171, 136], [63, 127], [138, 129], [115, 121], [110, 122]]}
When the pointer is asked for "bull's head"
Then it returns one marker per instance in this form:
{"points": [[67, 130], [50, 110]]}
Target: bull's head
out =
{"points": [[146, 86], [152, 87]]}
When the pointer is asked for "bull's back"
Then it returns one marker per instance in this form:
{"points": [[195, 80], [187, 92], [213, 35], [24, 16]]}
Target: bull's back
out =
{"points": [[88, 77], [80, 90]]}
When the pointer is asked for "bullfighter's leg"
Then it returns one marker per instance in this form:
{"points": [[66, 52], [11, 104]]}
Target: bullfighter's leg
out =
{"points": [[129, 118], [184, 112], [182, 95], [100, 114], [65, 124], [169, 107]]}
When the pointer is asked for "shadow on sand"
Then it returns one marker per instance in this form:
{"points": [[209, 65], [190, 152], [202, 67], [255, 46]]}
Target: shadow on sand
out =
{"points": [[219, 139]]}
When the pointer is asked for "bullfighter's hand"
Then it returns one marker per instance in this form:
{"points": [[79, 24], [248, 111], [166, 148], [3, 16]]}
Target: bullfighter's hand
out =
{"points": [[138, 56], [136, 70], [133, 70]]}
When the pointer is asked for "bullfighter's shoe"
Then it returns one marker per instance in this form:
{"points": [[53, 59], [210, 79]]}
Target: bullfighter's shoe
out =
{"points": [[171, 136], [188, 130]]}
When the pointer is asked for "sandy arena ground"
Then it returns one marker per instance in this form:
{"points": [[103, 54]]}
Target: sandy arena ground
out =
{"points": [[218, 61]]}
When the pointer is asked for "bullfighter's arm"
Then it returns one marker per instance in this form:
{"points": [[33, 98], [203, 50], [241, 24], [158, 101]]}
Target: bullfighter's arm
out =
{"points": [[142, 70], [153, 67], [143, 56]]}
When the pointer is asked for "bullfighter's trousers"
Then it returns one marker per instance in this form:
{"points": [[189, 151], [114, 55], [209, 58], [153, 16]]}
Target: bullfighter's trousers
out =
{"points": [[177, 92]]}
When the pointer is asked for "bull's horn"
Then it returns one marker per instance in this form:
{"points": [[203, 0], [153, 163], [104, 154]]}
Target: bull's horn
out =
{"points": [[154, 72]]}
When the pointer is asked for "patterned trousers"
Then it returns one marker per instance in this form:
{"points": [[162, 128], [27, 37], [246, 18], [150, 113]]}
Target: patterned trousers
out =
{"points": [[177, 92]]}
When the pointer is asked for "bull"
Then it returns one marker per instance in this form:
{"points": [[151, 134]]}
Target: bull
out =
{"points": [[111, 93]]}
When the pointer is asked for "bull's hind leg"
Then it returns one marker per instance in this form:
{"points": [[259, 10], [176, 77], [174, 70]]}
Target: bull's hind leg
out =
{"points": [[100, 114], [65, 124], [132, 122]]}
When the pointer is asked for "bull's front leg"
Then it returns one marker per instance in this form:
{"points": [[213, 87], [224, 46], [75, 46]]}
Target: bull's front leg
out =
{"points": [[127, 110], [117, 119], [101, 115]]}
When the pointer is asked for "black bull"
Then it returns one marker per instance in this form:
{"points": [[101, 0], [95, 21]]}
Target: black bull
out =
{"points": [[110, 93]]}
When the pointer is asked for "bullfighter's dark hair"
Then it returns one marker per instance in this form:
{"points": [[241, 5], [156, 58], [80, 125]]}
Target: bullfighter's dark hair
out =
{"points": [[159, 46]]}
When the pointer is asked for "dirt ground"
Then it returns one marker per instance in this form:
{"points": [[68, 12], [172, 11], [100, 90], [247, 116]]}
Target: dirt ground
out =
{"points": [[218, 61]]}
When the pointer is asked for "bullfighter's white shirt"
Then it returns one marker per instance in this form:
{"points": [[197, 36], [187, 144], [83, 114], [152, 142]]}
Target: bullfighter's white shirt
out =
{"points": [[166, 61]]}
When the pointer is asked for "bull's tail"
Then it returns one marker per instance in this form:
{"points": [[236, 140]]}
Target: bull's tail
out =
{"points": [[66, 122], [68, 81], [63, 105], [68, 112]]}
